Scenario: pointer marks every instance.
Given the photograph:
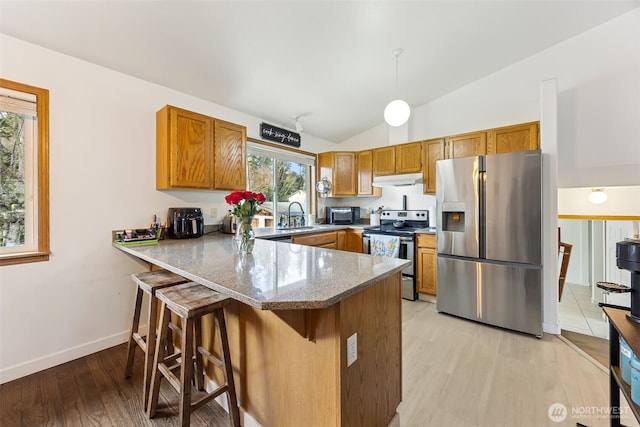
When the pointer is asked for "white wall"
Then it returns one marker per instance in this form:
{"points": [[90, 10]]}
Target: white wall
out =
{"points": [[102, 177], [620, 201], [598, 74], [576, 233]]}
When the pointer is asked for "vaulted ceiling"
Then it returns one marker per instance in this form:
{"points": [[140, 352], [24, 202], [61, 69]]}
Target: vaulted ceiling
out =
{"points": [[329, 62]]}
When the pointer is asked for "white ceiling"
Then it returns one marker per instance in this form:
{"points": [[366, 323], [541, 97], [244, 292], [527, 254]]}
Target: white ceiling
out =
{"points": [[330, 62]]}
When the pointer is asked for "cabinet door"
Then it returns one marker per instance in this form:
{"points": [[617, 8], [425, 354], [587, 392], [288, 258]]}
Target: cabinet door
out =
{"points": [[354, 241], [426, 263], [426, 270], [341, 237], [230, 156], [384, 161], [183, 149], [344, 174], [507, 139], [409, 157], [433, 150], [467, 145], [324, 240], [364, 166]]}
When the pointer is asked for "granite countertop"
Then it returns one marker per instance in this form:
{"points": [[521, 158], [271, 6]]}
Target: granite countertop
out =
{"points": [[430, 230], [272, 232], [276, 276]]}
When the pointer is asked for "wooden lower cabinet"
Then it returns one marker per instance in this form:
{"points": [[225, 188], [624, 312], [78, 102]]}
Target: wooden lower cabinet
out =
{"points": [[327, 239], [290, 366], [353, 241], [344, 240], [426, 264]]}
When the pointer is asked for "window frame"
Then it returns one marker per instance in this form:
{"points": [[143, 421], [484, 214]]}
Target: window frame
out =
{"points": [[42, 191], [293, 151]]}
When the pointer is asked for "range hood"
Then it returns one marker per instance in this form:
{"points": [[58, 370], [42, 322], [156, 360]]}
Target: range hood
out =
{"points": [[397, 180]]}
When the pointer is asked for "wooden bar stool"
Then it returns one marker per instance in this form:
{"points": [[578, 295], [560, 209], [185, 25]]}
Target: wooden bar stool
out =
{"points": [[147, 282], [191, 301]]}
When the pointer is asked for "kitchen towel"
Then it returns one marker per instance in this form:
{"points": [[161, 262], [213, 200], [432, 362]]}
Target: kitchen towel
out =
{"points": [[388, 246]]}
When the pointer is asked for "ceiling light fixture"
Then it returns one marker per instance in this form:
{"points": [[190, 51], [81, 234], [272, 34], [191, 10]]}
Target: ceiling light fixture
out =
{"points": [[397, 112], [597, 196]]}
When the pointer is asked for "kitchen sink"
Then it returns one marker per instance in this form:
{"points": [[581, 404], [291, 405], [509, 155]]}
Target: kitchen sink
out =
{"points": [[294, 229]]}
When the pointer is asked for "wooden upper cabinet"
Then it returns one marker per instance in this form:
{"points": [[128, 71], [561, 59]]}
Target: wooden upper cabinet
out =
{"points": [[384, 160], [433, 150], [183, 149], [194, 151], [403, 158], [467, 145], [408, 157], [507, 139], [340, 168], [364, 166], [230, 156]]}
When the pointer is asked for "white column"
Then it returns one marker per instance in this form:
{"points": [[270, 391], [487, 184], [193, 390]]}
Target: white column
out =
{"points": [[549, 147]]}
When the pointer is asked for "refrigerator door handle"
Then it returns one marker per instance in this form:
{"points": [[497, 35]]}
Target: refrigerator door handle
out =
{"points": [[482, 229]]}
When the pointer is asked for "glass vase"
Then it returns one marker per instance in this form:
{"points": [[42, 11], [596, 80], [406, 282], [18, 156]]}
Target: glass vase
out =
{"points": [[245, 237]]}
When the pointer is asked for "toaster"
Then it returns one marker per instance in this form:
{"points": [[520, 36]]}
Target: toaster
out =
{"points": [[185, 223], [229, 224]]}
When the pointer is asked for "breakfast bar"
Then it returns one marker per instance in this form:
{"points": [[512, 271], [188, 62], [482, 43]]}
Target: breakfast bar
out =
{"points": [[294, 309]]}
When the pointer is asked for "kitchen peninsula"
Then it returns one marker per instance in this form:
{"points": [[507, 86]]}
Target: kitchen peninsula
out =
{"points": [[295, 307]]}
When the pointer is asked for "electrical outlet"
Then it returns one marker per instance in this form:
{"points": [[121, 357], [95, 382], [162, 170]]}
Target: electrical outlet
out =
{"points": [[214, 213], [352, 349]]}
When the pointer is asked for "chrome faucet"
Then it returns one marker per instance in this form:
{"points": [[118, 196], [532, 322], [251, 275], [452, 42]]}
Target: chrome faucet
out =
{"points": [[301, 216]]}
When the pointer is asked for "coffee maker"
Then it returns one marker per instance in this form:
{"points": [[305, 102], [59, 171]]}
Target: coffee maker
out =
{"points": [[628, 258]]}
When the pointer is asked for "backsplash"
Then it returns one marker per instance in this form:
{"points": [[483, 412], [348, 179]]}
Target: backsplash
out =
{"points": [[391, 199]]}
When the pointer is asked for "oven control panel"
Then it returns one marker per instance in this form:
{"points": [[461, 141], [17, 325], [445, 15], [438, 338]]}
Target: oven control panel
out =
{"points": [[407, 215]]}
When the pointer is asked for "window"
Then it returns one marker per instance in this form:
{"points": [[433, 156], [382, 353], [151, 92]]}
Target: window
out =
{"points": [[24, 173], [284, 177]]}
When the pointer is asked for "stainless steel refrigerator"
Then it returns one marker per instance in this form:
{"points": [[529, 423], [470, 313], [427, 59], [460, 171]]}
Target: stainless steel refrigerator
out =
{"points": [[489, 233]]}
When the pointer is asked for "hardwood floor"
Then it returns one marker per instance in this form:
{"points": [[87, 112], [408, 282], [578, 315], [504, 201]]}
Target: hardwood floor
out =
{"points": [[598, 348], [456, 373], [92, 391]]}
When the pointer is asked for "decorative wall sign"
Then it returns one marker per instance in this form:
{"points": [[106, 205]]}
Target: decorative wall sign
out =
{"points": [[276, 134]]}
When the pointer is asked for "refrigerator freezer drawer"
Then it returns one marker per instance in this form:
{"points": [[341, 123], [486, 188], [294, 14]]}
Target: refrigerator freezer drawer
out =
{"points": [[499, 294]]}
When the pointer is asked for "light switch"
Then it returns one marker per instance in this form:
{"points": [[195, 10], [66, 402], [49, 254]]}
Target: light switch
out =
{"points": [[352, 349]]}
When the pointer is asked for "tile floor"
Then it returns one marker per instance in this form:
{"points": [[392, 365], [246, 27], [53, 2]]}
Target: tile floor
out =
{"points": [[579, 314]]}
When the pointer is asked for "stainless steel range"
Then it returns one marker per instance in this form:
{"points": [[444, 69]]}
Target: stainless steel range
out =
{"points": [[404, 224]]}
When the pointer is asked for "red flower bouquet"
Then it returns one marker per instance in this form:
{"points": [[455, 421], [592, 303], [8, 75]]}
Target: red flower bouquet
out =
{"points": [[245, 206], [245, 203]]}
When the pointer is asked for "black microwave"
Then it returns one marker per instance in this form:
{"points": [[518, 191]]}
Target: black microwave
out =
{"points": [[343, 215]]}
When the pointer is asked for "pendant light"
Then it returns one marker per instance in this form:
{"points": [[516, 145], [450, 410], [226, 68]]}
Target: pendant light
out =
{"points": [[397, 112], [597, 196]]}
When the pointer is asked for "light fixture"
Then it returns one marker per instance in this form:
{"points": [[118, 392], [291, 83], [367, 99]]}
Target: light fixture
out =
{"points": [[397, 112], [299, 127], [597, 196]]}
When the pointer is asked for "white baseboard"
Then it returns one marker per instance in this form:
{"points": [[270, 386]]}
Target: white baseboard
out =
{"points": [[246, 420], [49, 361]]}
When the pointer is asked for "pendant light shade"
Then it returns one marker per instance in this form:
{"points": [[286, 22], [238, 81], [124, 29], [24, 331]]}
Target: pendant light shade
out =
{"points": [[597, 196], [397, 112]]}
